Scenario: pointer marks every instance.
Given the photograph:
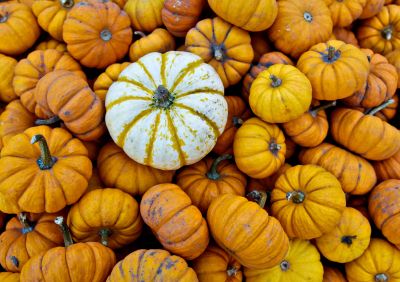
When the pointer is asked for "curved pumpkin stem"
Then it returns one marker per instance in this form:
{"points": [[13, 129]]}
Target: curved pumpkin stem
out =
{"points": [[49, 121], [26, 225], [104, 234], [46, 161], [67, 3], [59, 220], [381, 277], [213, 173], [296, 197], [314, 111], [162, 98], [373, 111], [276, 81], [348, 239], [260, 197], [140, 33], [387, 32]]}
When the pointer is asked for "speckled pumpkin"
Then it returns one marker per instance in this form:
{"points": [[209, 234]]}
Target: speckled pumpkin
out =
{"points": [[144, 15], [7, 66], [385, 169]]}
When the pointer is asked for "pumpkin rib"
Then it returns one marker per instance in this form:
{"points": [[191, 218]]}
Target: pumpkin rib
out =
{"points": [[175, 138], [135, 83], [199, 91], [121, 138], [146, 71], [124, 99], [189, 68]]}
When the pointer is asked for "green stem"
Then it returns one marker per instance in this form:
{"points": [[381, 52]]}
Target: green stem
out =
{"points": [[218, 53], [373, 111], [49, 121], [314, 111], [296, 197], [213, 173], [260, 197], [65, 230], [276, 81], [104, 234], [26, 225], [331, 53], [162, 98], [46, 161], [387, 32]]}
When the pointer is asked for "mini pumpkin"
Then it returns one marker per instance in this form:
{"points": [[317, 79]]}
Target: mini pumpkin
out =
{"points": [[177, 224], [7, 66], [356, 175], [259, 148], [298, 20], [97, 33], [43, 177], [144, 15], [180, 109], [332, 274], [159, 40], [52, 44], [18, 28], [345, 35], [394, 58], [302, 263], [208, 178], [152, 265], [344, 12], [308, 201], [384, 208], [260, 45], [348, 240], [371, 8], [222, 45], [62, 95], [385, 169]]}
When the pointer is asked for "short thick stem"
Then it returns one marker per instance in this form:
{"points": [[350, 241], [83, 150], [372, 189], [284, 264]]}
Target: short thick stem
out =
{"points": [[237, 122], [49, 121], [274, 147], [285, 265], [296, 197], [67, 3], [162, 98], [314, 111], [104, 234], [3, 18], [381, 277], [231, 271], [276, 81], [331, 53], [106, 34], [46, 161], [65, 230], [308, 17], [140, 33], [26, 225], [213, 173], [218, 53], [260, 197], [373, 111], [348, 239], [387, 32]]}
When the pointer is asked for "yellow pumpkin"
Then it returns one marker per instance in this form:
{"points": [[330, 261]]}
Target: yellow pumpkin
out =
{"points": [[7, 65]]}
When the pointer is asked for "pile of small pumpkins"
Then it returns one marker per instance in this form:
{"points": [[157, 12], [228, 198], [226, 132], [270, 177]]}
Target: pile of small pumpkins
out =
{"points": [[193, 140]]}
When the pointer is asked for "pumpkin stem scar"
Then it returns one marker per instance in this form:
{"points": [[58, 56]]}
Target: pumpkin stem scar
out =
{"points": [[296, 197], [348, 239], [308, 17], [273, 147], [231, 271], [387, 32], [314, 111], [162, 98], [104, 234], [285, 265], [3, 18], [26, 225], [213, 173], [373, 111], [381, 277], [260, 197], [49, 121], [237, 122], [46, 161], [106, 34], [59, 220], [276, 81], [67, 3], [218, 53], [140, 33]]}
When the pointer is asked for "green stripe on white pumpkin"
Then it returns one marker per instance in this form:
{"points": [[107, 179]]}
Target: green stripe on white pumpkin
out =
{"points": [[167, 110]]}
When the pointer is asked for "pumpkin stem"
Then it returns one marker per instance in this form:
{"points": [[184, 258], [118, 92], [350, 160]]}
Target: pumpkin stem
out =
{"points": [[49, 121], [332, 55], [46, 161], [106, 34], [231, 271], [67, 3], [218, 53], [296, 197], [237, 122], [273, 147], [276, 81], [162, 98], [314, 111], [59, 220], [348, 239], [104, 234], [387, 32], [285, 265], [3, 18], [213, 173], [373, 111], [260, 197], [140, 33], [26, 225], [15, 261], [308, 17], [381, 277]]}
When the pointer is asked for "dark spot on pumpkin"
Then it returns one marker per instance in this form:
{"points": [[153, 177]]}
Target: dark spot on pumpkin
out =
{"points": [[170, 264], [121, 269], [67, 113]]}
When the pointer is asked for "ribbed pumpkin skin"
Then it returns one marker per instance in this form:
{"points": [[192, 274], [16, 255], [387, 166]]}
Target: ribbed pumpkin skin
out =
{"points": [[321, 209], [298, 20], [384, 208], [83, 262], [356, 175], [107, 208], [109, 29], [240, 228], [216, 265], [394, 58], [380, 86], [52, 44], [386, 169], [371, 8], [144, 15], [339, 77], [152, 265], [249, 17], [336, 247], [18, 28], [202, 190], [177, 224], [9, 277], [225, 47], [345, 35], [24, 243], [379, 258], [25, 187], [371, 35], [259, 148], [333, 275], [365, 135], [28, 71], [117, 170], [7, 66], [303, 265], [344, 12]]}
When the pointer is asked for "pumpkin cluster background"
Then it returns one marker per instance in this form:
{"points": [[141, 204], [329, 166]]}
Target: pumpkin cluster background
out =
{"points": [[194, 140]]}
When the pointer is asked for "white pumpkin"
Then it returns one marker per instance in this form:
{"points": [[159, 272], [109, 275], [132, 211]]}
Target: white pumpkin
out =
{"points": [[167, 110]]}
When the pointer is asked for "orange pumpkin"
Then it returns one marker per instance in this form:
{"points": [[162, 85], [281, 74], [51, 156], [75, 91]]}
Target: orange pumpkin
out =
{"points": [[208, 178], [300, 25], [7, 66], [225, 47], [62, 95], [345, 35], [177, 224], [380, 86], [241, 227], [38, 63], [216, 265], [117, 170], [344, 12], [394, 58], [385, 169], [97, 34], [52, 44], [333, 275], [264, 63], [26, 236], [371, 8], [260, 44], [9, 277], [335, 69], [381, 33], [308, 201], [46, 179], [356, 175], [259, 148], [179, 16], [159, 40], [384, 208], [144, 15], [18, 28]]}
